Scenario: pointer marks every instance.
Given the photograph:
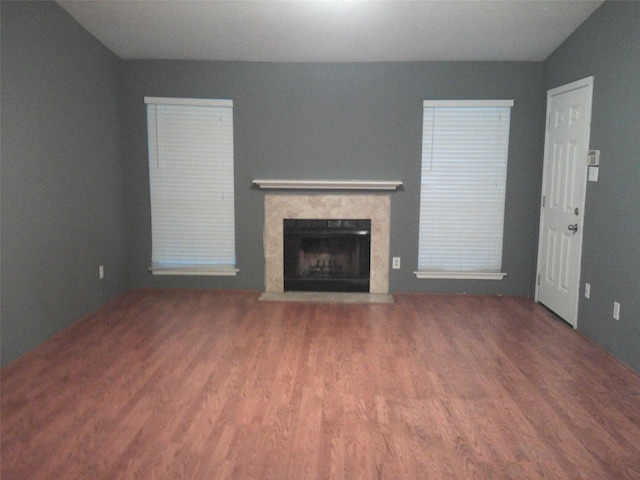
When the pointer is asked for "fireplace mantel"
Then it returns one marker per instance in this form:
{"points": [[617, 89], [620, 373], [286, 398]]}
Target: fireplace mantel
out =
{"points": [[274, 184]]}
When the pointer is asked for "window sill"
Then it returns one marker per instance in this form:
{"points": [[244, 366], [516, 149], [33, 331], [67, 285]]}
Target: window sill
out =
{"points": [[195, 270], [461, 275]]}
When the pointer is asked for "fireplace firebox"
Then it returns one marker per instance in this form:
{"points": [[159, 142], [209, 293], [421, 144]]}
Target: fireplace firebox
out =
{"points": [[327, 255]]}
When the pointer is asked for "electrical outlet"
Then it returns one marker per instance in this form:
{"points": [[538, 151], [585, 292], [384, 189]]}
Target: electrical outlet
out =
{"points": [[101, 271], [587, 290], [616, 311], [396, 263]]}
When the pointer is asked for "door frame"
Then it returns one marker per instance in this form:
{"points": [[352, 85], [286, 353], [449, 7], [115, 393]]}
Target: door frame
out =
{"points": [[582, 83]]}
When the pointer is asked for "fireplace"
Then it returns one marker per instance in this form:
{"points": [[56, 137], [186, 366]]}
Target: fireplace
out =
{"points": [[278, 207], [327, 255]]}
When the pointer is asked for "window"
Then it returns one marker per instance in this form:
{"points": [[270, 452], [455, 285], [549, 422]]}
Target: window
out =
{"points": [[191, 180], [464, 169]]}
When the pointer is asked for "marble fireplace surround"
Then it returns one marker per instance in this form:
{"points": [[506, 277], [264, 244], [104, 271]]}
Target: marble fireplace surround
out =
{"points": [[376, 206]]}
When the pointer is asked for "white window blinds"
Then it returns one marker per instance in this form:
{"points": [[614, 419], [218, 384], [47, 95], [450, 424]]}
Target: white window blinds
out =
{"points": [[464, 168], [192, 190]]}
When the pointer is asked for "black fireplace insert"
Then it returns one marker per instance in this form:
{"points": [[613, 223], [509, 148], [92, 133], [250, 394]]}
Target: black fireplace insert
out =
{"points": [[328, 255]]}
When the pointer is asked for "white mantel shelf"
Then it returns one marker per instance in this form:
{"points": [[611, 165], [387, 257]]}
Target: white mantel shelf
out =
{"points": [[265, 184]]}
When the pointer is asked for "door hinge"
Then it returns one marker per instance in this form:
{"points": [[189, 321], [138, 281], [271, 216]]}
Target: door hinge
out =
{"points": [[538, 280], [544, 200]]}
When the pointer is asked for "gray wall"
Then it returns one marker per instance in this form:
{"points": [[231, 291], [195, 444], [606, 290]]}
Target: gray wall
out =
{"points": [[607, 46], [338, 121], [62, 192]]}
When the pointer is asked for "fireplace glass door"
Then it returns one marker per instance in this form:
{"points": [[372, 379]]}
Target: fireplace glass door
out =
{"points": [[330, 255]]}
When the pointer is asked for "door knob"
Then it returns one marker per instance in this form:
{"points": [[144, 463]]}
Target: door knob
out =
{"points": [[573, 228]]}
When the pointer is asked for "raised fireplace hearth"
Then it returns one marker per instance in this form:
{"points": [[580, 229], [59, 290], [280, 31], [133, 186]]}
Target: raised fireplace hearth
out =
{"points": [[327, 255]]}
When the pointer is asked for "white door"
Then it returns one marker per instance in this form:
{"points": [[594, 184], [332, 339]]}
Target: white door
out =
{"points": [[563, 191]]}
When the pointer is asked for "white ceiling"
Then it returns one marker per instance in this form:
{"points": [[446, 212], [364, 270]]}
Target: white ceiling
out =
{"points": [[331, 31]]}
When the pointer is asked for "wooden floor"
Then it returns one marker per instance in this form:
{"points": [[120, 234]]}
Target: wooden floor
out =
{"points": [[165, 384]]}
